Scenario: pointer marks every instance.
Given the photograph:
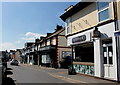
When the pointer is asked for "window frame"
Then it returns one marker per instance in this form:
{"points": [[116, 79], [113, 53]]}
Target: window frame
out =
{"points": [[67, 26], [101, 10]]}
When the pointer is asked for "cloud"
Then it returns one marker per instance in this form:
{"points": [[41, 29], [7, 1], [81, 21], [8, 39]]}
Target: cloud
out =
{"points": [[18, 42], [29, 36], [7, 46]]}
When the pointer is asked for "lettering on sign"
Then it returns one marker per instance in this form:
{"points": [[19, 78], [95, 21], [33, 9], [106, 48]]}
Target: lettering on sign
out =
{"points": [[79, 39]]}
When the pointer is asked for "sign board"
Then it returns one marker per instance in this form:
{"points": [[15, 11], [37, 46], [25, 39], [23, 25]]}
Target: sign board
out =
{"points": [[79, 39]]}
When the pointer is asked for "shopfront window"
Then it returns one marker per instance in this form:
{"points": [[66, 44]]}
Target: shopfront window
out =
{"points": [[66, 53], [84, 53]]}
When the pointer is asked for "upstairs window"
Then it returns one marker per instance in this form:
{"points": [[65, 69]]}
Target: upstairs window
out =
{"points": [[67, 26], [103, 11]]}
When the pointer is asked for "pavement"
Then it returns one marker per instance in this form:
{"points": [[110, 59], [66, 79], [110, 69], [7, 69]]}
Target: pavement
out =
{"points": [[63, 75]]}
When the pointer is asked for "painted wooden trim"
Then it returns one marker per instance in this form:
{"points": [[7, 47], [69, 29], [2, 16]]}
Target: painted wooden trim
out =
{"points": [[84, 63]]}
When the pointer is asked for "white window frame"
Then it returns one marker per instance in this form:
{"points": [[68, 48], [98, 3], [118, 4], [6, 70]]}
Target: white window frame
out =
{"points": [[101, 10], [67, 26]]}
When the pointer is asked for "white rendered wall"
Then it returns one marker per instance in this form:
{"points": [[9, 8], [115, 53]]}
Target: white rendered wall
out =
{"points": [[107, 32], [98, 61]]}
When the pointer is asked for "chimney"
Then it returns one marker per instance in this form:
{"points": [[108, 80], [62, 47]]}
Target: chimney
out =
{"points": [[58, 27], [42, 37], [48, 34], [36, 40]]}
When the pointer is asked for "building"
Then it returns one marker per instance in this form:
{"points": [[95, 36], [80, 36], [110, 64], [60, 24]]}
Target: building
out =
{"points": [[92, 30], [50, 50], [53, 48], [27, 53], [18, 55]]}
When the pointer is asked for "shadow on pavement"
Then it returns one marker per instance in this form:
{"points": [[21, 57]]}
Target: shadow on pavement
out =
{"points": [[8, 81], [9, 69], [8, 72]]}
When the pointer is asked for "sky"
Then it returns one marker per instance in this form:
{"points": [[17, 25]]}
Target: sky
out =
{"points": [[25, 21]]}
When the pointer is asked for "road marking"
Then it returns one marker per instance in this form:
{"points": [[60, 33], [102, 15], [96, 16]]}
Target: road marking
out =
{"points": [[66, 78]]}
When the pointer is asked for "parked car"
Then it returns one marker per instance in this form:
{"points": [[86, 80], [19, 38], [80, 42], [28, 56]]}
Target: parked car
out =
{"points": [[0, 70], [14, 62], [3, 69]]}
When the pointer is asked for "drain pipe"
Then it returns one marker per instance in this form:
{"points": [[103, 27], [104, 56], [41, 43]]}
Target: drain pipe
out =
{"points": [[117, 38]]}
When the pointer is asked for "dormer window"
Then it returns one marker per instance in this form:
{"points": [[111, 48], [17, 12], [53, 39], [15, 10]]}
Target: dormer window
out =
{"points": [[103, 11]]}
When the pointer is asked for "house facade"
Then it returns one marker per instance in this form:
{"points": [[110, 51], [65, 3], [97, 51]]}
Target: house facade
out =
{"points": [[28, 53], [50, 50], [92, 30], [53, 48]]}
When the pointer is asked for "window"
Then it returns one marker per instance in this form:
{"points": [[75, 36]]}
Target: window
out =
{"points": [[102, 5], [66, 53], [110, 54], [53, 41], [103, 11], [105, 55], [68, 26]]}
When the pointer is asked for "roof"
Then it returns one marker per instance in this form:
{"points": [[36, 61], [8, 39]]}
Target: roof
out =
{"points": [[53, 34], [79, 6]]}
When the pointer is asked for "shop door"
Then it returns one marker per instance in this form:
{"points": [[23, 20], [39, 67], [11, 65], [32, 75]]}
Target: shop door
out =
{"points": [[108, 60]]}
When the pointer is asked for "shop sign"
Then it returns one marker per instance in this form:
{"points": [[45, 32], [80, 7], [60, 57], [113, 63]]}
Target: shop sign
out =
{"points": [[47, 48], [44, 48], [79, 39]]}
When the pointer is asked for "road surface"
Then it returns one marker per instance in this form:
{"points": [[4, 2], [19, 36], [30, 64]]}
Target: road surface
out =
{"points": [[23, 74]]}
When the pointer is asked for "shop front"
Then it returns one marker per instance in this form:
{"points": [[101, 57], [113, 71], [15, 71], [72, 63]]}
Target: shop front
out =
{"points": [[83, 52], [84, 58], [94, 52], [48, 56]]}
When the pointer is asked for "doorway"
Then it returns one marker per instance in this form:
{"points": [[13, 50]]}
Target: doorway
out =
{"points": [[108, 60]]}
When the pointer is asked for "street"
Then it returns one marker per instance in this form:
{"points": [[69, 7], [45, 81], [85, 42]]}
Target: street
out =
{"points": [[34, 75], [27, 75]]}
